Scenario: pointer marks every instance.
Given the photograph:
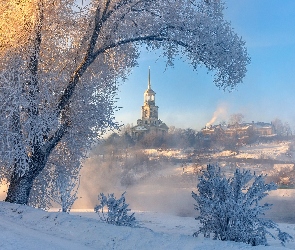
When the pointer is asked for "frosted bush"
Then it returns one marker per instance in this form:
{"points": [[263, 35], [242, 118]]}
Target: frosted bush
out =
{"points": [[229, 207], [115, 211]]}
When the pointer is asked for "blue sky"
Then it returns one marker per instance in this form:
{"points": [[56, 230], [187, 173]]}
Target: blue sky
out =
{"points": [[188, 99]]}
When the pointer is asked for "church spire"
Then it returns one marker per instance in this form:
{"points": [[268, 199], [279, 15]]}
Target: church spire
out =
{"points": [[149, 79]]}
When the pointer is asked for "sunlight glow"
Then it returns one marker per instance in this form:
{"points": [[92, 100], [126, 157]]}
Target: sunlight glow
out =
{"points": [[17, 17]]}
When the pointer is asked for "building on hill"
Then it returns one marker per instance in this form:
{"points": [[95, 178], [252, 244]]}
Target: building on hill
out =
{"points": [[243, 129], [149, 121], [263, 128]]}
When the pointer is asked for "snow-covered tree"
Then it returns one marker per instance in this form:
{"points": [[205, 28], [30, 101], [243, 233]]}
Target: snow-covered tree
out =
{"points": [[65, 188], [230, 210], [280, 128], [236, 119], [117, 211], [59, 65]]}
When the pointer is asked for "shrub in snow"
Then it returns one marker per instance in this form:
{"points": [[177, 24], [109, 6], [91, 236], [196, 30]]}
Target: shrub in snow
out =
{"points": [[117, 210], [229, 207]]}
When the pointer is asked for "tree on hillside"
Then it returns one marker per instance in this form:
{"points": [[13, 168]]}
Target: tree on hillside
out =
{"points": [[236, 119], [280, 128], [190, 137], [58, 79], [180, 138], [287, 129]]}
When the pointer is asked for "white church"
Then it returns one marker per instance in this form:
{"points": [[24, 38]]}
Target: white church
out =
{"points": [[149, 121]]}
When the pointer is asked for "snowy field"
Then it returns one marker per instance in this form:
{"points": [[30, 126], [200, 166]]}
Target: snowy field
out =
{"points": [[271, 150], [163, 206], [28, 228]]}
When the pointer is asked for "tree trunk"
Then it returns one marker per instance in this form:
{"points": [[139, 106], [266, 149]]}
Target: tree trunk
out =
{"points": [[20, 186]]}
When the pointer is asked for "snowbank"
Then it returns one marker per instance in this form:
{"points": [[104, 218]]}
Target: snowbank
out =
{"points": [[28, 228]]}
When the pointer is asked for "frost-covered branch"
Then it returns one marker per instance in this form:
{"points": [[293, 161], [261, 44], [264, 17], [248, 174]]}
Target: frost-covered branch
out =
{"points": [[60, 82], [56, 138]]}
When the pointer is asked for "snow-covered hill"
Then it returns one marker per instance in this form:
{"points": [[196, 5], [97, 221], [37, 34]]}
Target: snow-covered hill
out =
{"points": [[28, 228]]}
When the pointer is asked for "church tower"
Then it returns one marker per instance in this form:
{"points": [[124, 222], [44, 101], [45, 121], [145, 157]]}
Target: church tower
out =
{"points": [[149, 110], [149, 121]]}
